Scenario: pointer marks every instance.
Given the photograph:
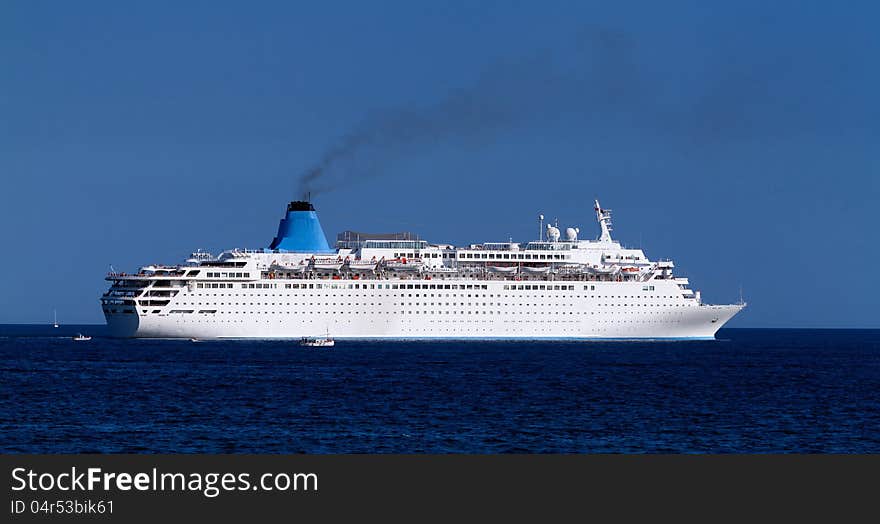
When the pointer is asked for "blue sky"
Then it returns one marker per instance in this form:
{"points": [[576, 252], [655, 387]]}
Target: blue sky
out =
{"points": [[739, 139]]}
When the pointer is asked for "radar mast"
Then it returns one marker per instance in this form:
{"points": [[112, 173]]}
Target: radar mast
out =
{"points": [[604, 218]]}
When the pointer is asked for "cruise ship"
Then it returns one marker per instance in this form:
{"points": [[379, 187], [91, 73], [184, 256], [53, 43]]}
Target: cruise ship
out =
{"points": [[399, 286]]}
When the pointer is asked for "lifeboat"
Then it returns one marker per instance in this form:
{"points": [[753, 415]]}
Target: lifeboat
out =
{"points": [[403, 264], [290, 269], [362, 265], [573, 269], [605, 270], [502, 269], [442, 270], [536, 270], [325, 264]]}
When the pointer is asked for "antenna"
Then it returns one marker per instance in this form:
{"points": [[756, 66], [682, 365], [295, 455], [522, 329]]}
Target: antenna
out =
{"points": [[541, 228], [604, 218]]}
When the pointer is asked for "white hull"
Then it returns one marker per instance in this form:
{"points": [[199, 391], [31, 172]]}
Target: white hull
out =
{"points": [[610, 310]]}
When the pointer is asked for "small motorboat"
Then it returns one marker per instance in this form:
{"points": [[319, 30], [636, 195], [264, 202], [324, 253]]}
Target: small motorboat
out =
{"points": [[318, 342], [81, 338], [195, 340]]}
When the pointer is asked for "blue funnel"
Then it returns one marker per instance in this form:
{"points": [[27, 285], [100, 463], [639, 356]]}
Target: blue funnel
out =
{"points": [[301, 231]]}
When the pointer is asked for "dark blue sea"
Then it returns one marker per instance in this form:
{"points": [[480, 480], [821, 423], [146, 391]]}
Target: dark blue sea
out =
{"points": [[751, 391]]}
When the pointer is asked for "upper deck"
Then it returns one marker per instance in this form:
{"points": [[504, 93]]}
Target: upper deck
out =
{"points": [[371, 256]]}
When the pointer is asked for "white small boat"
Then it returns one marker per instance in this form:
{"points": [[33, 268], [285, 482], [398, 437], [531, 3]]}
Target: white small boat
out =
{"points": [[55, 315], [81, 338], [573, 269], [280, 268], [358, 265], [403, 265], [318, 342], [195, 340], [442, 270], [605, 270], [330, 266], [502, 269]]}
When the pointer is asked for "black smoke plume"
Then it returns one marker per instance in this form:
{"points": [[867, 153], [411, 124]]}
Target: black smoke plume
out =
{"points": [[602, 82]]}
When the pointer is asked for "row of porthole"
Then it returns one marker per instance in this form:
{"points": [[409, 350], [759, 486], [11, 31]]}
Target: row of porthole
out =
{"points": [[425, 312], [185, 321], [438, 295]]}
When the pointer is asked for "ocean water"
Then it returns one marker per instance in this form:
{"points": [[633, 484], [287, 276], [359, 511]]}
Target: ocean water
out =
{"points": [[751, 391]]}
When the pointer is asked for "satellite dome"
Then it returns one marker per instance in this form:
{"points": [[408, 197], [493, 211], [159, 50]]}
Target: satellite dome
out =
{"points": [[571, 234]]}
